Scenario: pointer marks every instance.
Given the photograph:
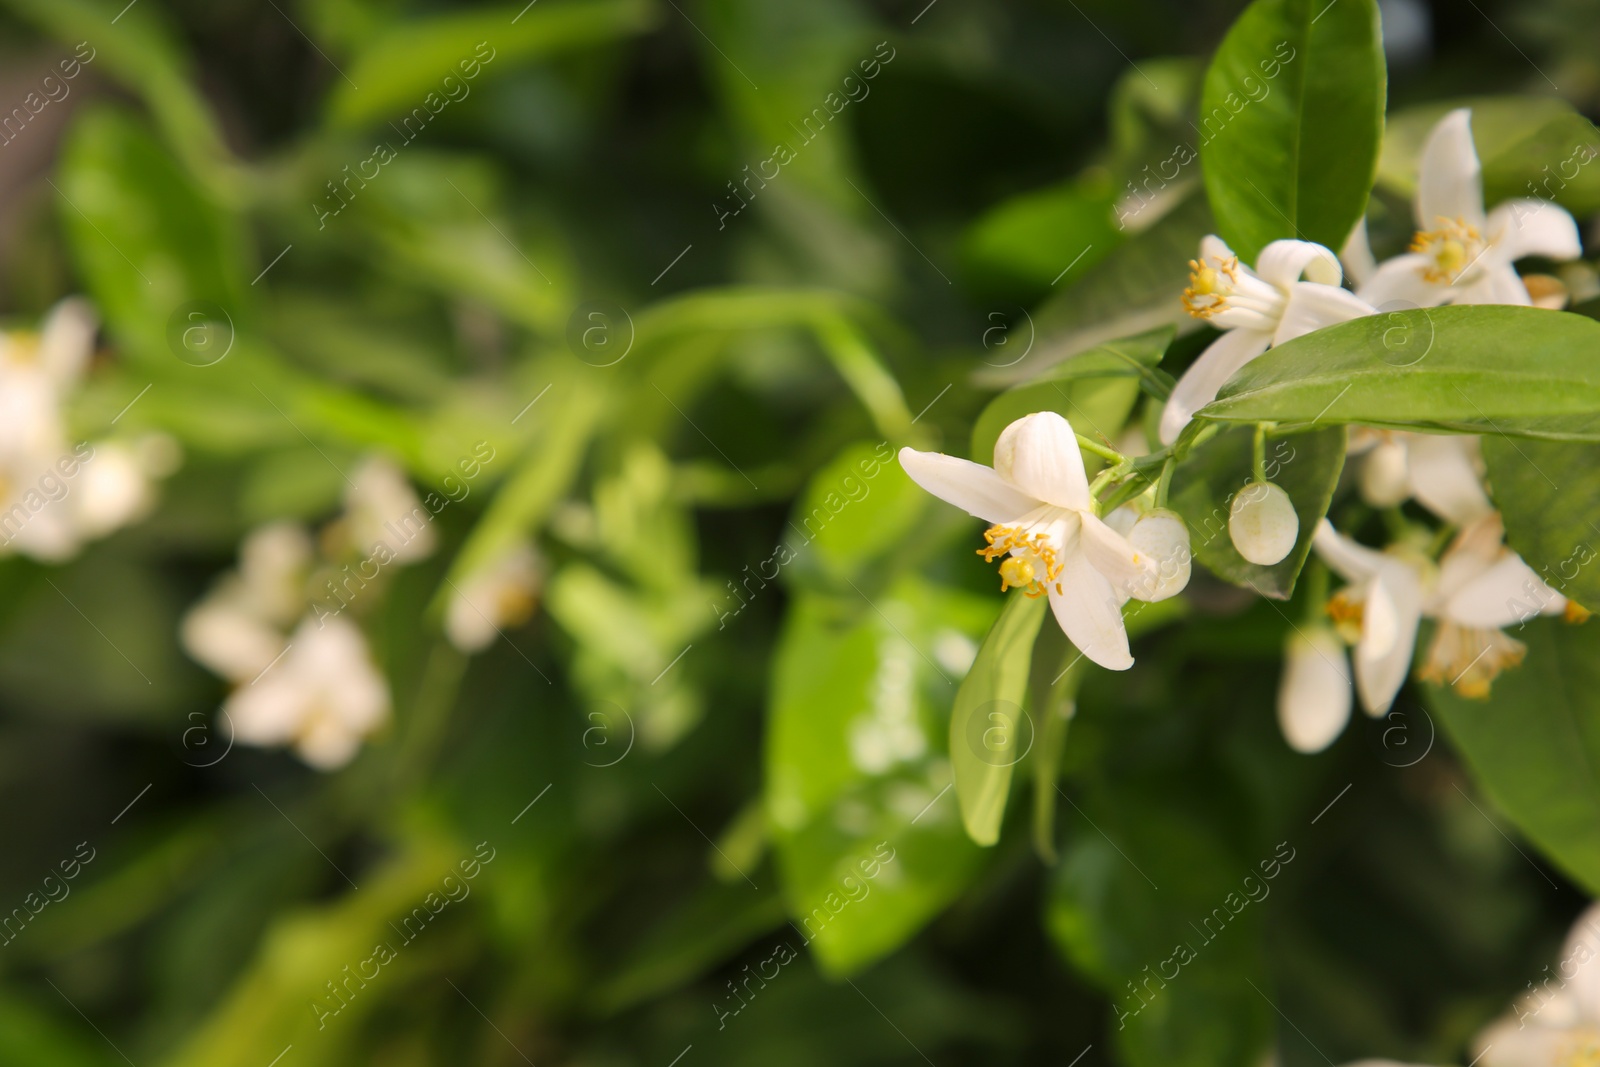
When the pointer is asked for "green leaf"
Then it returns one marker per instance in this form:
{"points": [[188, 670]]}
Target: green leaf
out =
{"points": [[1305, 465], [1136, 288], [1291, 118], [1487, 369], [1159, 875], [854, 767], [1546, 492], [1530, 146], [1534, 745], [147, 238], [1025, 243], [409, 62], [987, 726], [857, 511], [1094, 390]]}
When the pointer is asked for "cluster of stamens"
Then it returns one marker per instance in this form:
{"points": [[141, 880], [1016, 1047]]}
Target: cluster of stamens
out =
{"points": [[1452, 247], [1209, 287], [1032, 565], [1468, 658], [1346, 612]]}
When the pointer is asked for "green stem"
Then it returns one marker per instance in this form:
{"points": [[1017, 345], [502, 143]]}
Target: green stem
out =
{"points": [[1260, 452], [1059, 707], [1164, 483], [1110, 455]]}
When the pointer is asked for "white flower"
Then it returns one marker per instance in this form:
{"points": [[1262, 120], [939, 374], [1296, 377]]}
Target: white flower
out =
{"points": [[1478, 587], [237, 630], [1558, 1022], [1038, 499], [381, 506], [1257, 309], [1462, 255], [1314, 692], [1262, 523], [1442, 471], [324, 697], [498, 595]]}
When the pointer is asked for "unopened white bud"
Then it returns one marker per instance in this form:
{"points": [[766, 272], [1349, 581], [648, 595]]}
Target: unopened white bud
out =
{"points": [[1262, 523], [1385, 479], [1314, 692], [1164, 539]]}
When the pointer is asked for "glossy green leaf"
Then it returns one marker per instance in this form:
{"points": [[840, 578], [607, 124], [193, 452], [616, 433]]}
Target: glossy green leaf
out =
{"points": [[1291, 118], [989, 730], [855, 770], [1546, 491], [1534, 745], [1027, 243], [1304, 465], [1488, 369], [1530, 146], [857, 510], [406, 65]]}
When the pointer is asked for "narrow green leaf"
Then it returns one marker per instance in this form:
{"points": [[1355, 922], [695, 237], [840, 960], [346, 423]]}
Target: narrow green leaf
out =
{"points": [[1291, 118], [989, 731], [1305, 465], [1484, 369], [1534, 745], [1546, 491]]}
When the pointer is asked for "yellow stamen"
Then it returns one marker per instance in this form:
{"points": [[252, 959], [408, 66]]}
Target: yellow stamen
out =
{"points": [[1209, 287], [1575, 612], [1032, 556], [1453, 246], [1469, 658], [1346, 613]]}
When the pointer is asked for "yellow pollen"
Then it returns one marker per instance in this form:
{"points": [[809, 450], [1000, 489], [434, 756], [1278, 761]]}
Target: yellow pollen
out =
{"points": [[1209, 287], [1469, 658], [1453, 247], [1032, 555], [1346, 613], [1575, 612]]}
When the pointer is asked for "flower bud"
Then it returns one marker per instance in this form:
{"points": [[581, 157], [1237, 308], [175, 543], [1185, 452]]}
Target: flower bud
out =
{"points": [[1262, 523], [1314, 692], [1162, 536]]}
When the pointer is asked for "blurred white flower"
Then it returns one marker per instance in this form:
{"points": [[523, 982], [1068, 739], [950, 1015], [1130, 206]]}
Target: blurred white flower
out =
{"points": [[496, 596], [1442, 471], [237, 630], [1256, 309], [1314, 691], [1559, 1021], [1477, 588], [53, 496], [1461, 255], [1037, 495], [324, 697], [380, 506]]}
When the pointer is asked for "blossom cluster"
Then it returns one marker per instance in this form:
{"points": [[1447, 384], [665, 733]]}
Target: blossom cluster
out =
{"points": [[1090, 553]]}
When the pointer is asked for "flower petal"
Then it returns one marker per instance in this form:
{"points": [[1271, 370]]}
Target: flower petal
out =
{"points": [[1356, 255], [1039, 455], [1533, 228], [1444, 476], [1505, 594], [1351, 561], [1090, 613], [1449, 177], [1114, 556], [1390, 617], [970, 486], [1284, 262], [1312, 306], [1200, 383], [1399, 284], [1495, 283], [67, 339], [1314, 693]]}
